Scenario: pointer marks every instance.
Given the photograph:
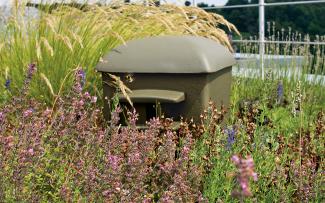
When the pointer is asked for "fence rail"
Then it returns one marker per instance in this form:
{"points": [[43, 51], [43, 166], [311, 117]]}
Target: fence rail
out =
{"points": [[265, 4], [261, 5], [280, 42]]}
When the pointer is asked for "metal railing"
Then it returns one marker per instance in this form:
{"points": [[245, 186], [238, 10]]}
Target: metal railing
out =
{"points": [[265, 4], [262, 40], [281, 42]]}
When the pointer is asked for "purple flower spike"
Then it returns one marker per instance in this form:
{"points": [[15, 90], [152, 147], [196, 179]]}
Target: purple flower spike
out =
{"points": [[280, 92], [81, 75], [31, 70], [231, 132], [7, 84], [80, 78]]}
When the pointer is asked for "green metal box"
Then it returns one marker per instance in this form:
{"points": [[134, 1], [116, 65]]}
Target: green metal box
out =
{"points": [[182, 73]]}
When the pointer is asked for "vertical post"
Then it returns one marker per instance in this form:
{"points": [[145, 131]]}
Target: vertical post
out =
{"points": [[194, 3], [262, 34]]}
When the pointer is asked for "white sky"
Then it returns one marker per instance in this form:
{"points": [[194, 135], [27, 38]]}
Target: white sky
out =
{"points": [[215, 2]]}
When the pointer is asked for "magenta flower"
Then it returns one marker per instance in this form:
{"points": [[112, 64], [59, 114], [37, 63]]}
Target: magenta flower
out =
{"points": [[134, 158], [9, 142], [87, 95], [113, 161], [27, 113], [93, 99], [2, 117], [235, 159], [47, 112], [81, 103], [31, 151], [106, 193]]}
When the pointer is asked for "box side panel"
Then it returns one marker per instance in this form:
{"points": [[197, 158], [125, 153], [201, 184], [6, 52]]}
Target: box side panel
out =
{"points": [[218, 88]]}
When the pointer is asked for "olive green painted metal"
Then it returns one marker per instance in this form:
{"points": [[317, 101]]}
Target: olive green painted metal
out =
{"points": [[196, 71]]}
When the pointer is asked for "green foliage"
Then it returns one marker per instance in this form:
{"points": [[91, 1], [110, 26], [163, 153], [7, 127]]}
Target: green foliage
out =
{"points": [[273, 146]]}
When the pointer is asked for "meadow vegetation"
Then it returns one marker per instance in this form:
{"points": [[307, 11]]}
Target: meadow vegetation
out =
{"points": [[67, 37], [55, 145]]}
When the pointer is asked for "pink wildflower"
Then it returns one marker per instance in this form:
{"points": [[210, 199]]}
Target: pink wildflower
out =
{"points": [[245, 171], [93, 99], [31, 151], [28, 113]]}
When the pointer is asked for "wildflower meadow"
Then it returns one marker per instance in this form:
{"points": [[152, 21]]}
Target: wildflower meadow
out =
{"points": [[56, 146]]}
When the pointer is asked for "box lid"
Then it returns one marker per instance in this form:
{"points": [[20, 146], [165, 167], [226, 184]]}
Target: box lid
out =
{"points": [[167, 54]]}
